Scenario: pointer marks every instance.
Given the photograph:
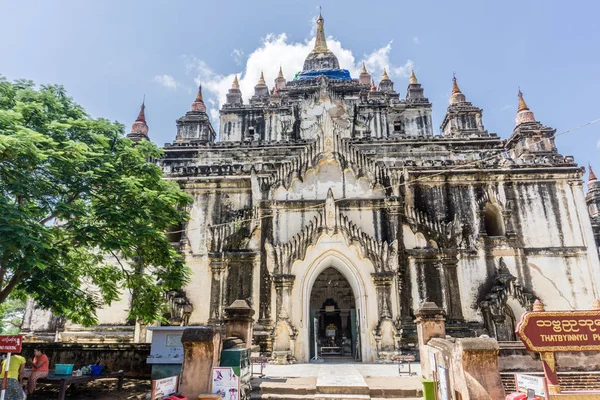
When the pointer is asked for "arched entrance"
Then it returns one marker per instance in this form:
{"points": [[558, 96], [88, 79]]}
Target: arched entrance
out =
{"points": [[333, 317], [357, 272]]}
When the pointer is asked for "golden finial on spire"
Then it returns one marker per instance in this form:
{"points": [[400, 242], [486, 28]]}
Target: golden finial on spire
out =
{"points": [[320, 42], [261, 80], [364, 69], [522, 104], [235, 84], [592, 175], [385, 76], [280, 72], [413, 77], [455, 88]]}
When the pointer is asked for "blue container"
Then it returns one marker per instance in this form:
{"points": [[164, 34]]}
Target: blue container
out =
{"points": [[63, 369], [95, 370]]}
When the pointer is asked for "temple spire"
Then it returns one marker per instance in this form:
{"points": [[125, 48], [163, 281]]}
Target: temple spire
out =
{"points": [[522, 104], [385, 76], [235, 84], [261, 80], [455, 88], [198, 104], [457, 96], [280, 75], [142, 115], [139, 129], [524, 114], [592, 175], [320, 42], [373, 87], [364, 78], [413, 78]]}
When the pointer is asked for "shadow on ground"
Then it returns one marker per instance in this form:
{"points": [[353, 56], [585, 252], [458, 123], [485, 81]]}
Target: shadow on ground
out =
{"points": [[133, 389]]}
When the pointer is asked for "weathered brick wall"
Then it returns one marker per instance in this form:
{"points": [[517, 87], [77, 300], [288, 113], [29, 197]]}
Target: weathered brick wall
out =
{"points": [[131, 358]]}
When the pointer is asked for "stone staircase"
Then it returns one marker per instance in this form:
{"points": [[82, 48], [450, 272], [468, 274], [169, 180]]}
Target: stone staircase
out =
{"points": [[336, 382], [569, 381]]}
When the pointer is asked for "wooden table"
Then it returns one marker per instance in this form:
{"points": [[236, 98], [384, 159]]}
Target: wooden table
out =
{"points": [[65, 380]]}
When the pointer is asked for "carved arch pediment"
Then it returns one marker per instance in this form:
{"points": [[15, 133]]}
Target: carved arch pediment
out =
{"points": [[329, 220], [496, 308]]}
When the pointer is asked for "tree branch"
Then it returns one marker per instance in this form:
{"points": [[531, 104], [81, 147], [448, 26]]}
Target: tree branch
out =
{"points": [[127, 275], [52, 215], [16, 278]]}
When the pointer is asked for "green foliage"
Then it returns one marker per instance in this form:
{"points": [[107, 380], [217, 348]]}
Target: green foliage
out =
{"points": [[11, 316], [83, 213]]}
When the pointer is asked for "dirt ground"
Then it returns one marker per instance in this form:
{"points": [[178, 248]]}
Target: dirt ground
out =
{"points": [[133, 389]]}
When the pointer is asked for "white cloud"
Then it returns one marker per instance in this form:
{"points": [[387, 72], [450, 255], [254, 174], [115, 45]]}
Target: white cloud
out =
{"points": [[416, 40], [237, 55], [167, 81], [276, 51]]}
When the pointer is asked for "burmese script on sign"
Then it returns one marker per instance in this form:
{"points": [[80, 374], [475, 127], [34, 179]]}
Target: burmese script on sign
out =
{"points": [[560, 331]]}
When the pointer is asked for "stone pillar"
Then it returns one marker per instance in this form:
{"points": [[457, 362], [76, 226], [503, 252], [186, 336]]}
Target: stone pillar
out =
{"points": [[430, 324], [450, 285], [238, 321], [383, 285], [217, 268], [428, 276], [201, 352], [283, 288], [266, 232]]}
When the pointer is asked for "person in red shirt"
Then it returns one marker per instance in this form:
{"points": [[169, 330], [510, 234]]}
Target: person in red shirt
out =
{"points": [[39, 369]]}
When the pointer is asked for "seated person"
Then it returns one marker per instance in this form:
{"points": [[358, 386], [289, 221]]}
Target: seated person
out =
{"points": [[39, 369], [14, 390]]}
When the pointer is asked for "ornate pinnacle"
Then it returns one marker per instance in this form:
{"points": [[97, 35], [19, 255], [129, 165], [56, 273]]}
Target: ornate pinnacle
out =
{"points": [[538, 306], [280, 73], [413, 77], [364, 69], [142, 115], [140, 126], [198, 104], [320, 42], [592, 175], [261, 80], [522, 104], [373, 87], [385, 76], [455, 88], [235, 84]]}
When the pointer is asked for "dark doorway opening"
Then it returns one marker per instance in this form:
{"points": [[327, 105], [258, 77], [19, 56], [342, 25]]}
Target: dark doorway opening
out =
{"points": [[334, 327]]}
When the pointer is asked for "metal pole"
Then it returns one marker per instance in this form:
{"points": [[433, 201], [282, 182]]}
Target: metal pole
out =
{"points": [[5, 377]]}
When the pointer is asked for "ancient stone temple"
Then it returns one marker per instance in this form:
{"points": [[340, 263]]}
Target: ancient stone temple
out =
{"points": [[329, 204]]}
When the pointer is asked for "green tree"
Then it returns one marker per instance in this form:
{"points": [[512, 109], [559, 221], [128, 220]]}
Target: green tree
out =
{"points": [[78, 202], [11, 316]]}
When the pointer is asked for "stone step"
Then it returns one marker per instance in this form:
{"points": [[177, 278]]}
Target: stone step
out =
{"points": [[341, 396], [333, 380], [277, 396], [285, 386]]}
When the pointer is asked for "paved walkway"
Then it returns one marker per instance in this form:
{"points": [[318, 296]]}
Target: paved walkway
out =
{"points": [[312, 370], [337, 381]]}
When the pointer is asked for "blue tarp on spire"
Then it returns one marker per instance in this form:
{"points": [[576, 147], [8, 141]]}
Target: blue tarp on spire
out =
{"points": [[331, 73]]}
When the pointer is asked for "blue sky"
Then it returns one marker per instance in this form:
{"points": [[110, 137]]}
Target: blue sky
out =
{"points": [[108, 54]]}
